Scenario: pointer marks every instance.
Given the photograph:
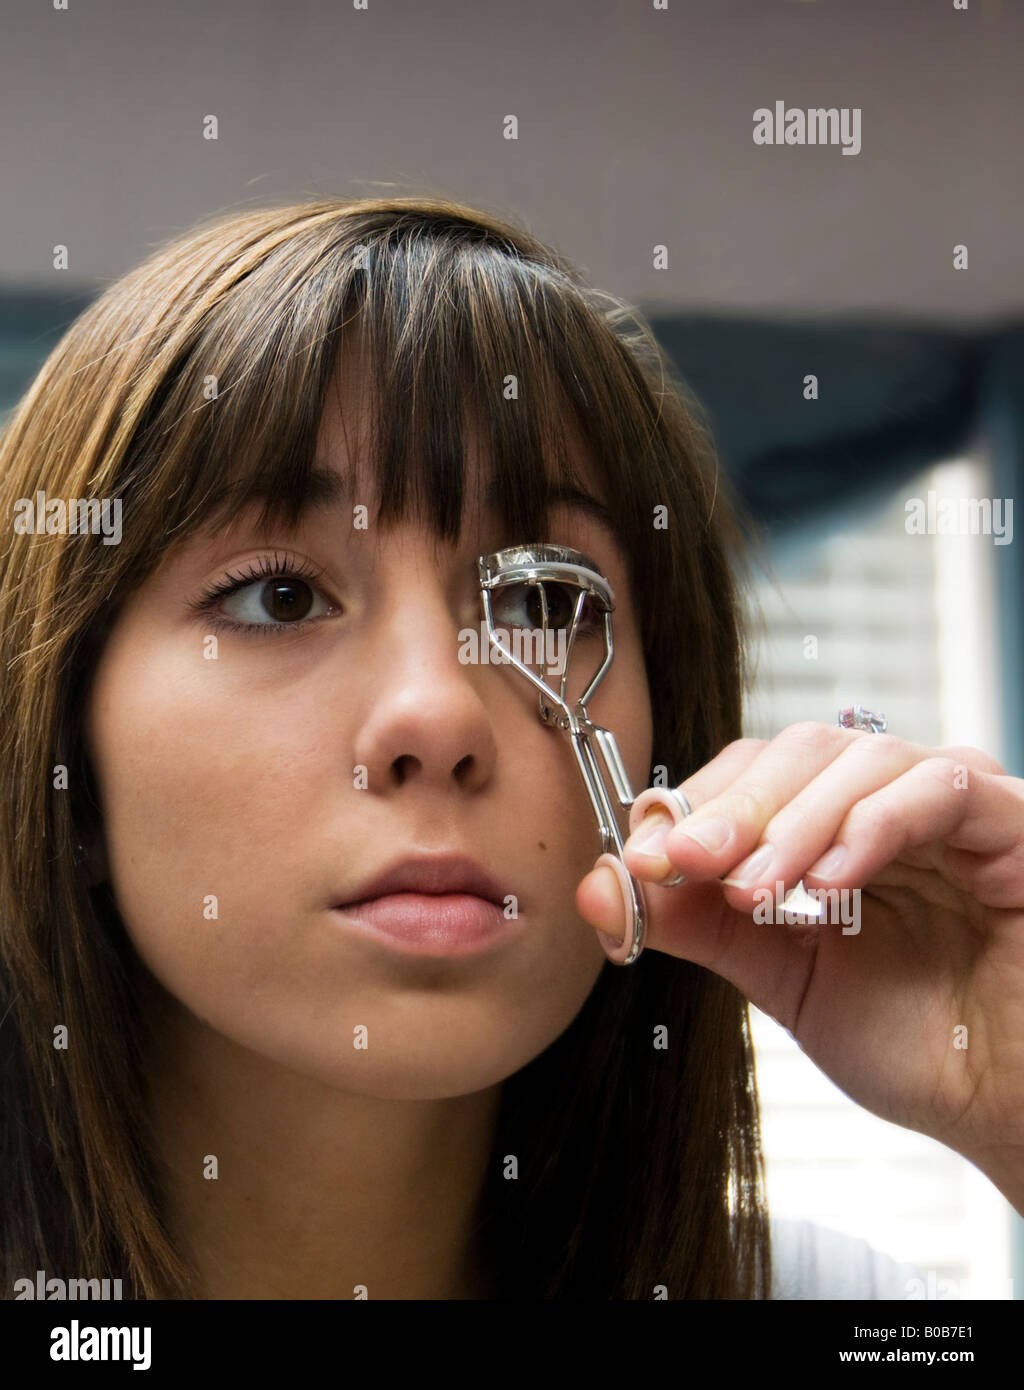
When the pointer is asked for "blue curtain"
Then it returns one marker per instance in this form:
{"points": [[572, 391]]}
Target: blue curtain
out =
{"points": [[891, 399]]}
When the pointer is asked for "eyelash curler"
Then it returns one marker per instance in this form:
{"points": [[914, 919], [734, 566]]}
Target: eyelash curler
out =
{"points": [[536, 566]]}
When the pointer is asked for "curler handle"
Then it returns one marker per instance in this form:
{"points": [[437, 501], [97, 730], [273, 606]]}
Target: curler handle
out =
{"points": [[626, 951], [667, 798]]}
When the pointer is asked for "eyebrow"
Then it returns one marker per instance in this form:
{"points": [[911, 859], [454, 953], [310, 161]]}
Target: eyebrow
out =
{"points": [[589, 506]]}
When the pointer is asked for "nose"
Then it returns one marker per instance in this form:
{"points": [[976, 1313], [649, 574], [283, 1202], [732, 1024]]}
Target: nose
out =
{"points": [[424, 717]]}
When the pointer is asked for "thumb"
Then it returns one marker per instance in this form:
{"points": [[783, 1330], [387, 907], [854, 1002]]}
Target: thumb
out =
{"points": [[767, 963]]}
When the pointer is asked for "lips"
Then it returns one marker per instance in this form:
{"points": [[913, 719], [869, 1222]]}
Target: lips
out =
{"points": [[430, 874]]}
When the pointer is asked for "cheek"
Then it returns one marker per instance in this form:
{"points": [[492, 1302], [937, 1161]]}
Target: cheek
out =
{"points": [[204, 794]]}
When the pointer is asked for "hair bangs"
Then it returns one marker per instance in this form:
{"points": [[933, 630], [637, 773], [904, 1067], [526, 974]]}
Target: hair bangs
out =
{"points": [[423, 337]]}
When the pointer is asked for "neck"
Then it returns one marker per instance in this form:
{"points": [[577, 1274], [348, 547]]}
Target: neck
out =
{"points": [[280, 1186]]}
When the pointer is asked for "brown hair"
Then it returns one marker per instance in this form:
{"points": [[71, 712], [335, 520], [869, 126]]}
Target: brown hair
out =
{"points": [[197, 382]]}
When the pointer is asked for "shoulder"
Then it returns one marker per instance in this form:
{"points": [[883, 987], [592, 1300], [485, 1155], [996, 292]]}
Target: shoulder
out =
{"points": [[811, 1261]]}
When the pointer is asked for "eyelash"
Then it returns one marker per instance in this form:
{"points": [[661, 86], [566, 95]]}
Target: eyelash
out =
{"points": [[281, 567]]}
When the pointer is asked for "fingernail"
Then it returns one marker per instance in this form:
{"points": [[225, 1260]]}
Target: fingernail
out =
{"points": [[751, 869], [712, 833], [612, 918], [830, 864], [651, 835]]}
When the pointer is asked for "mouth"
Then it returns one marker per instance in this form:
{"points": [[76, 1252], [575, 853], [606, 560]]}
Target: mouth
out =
{"points": [[437, 875], [439, 905], [431, 924]]}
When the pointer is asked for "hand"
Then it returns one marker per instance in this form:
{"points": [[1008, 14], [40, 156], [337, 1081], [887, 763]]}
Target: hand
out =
{"points": [[915, 1006]]}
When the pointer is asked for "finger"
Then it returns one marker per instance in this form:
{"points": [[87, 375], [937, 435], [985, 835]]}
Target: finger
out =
{"points": [[769, 964], [972, 758], [740, 810], [979, 822], [723, 768], [708, 781], [805, 827]]}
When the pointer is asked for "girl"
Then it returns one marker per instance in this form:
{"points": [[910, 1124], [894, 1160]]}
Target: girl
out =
{"points": [[242, 1056]]}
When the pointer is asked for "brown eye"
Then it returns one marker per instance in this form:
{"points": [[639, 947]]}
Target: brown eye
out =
{"points": [[521, 606], [286, 600], [561, 604]]}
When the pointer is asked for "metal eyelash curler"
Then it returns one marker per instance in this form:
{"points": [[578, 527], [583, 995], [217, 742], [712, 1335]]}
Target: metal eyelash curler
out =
{"points": [[536, 566]]}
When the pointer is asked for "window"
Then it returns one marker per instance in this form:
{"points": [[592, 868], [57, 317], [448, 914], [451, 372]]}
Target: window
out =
{"points": [[905, 625]]}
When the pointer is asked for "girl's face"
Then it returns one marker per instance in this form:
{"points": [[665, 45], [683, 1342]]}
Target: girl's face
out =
{"points": [[236, 817]]}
